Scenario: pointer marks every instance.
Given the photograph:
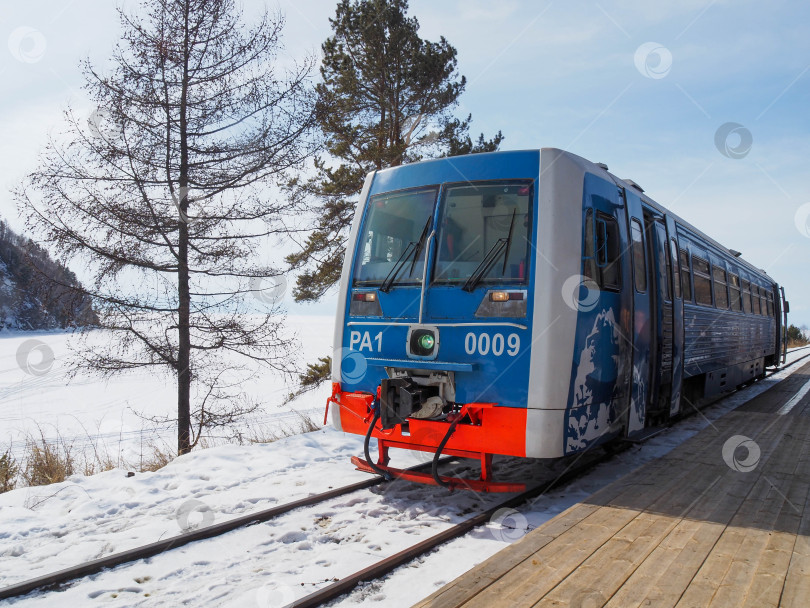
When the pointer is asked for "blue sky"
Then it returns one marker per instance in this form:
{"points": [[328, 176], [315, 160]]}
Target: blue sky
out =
{"points": [[642, 86]]}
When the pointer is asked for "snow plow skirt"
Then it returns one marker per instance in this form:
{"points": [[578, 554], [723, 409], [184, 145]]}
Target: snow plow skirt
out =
{"points": [[454, 483]]}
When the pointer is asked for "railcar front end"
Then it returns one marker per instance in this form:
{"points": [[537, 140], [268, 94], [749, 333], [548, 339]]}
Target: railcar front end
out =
{"points": [[437, 347]]}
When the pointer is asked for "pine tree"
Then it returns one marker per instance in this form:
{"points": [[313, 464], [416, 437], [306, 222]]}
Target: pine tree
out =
{"points": [[385, 99], [163, 194]]}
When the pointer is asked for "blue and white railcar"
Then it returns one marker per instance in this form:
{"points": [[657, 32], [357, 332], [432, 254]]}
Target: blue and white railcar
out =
{"points": [[533, 304]]}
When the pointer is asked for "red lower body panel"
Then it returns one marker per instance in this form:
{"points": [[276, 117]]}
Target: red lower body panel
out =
{"points": [[487, 430]]}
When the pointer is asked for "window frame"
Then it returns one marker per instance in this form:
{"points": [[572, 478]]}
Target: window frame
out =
{"points": [[686, 276], [722, 281], [611, 225], [676, 269], [638, 245], [698, 273], [734, 288], [439, 215], [746, 296]]}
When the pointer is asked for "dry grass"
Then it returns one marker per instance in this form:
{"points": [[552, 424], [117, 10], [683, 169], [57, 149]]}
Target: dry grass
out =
{"points": [[265, 434], [46, 461], [9, 470], [156, 457]]}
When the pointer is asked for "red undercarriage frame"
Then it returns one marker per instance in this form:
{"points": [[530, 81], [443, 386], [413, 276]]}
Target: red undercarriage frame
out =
{"points": [[491, 430]]}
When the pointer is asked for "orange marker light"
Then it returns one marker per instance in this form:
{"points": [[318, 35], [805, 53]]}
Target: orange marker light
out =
{"points": [[498, 296]]}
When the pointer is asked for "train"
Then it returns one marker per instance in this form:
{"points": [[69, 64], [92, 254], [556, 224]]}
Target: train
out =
{"points": [[532, 304]]}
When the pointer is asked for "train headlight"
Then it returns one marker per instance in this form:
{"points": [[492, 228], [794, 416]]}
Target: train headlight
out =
{"points": [[365, 304], [503, 303], [423, 342]]}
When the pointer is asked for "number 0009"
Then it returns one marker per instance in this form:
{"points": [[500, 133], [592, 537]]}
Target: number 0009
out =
{"points": [[484, 343]]}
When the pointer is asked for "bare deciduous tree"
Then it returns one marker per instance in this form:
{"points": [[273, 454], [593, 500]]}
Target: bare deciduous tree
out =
{"points": [[163, 194]]}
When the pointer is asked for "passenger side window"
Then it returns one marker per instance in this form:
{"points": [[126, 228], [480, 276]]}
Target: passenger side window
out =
{"points": [[770, 304], [664, 270], [686, 276], [746, 296], [703, 281], [676, 273], [755, 299], [734, 292], [639, 262], [720, 291], [608, 252]]}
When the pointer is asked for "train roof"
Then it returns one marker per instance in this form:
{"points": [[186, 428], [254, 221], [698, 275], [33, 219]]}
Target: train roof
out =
{"points": [[602, 170], [599, 169]]}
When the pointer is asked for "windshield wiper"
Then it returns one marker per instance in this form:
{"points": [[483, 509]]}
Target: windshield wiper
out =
{"points": [[501, 245], [413, 249]]}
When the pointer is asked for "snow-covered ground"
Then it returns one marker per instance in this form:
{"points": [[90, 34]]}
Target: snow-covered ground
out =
{"points": [[44, 529], [110, 417]]}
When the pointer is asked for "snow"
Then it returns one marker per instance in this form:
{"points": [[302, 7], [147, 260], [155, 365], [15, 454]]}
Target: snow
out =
{"points": [[43, 529], [90, 414]]}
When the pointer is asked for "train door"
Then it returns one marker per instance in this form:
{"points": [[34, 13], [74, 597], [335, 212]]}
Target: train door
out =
{"points": [[661, 351], [641, 315], [600, 377], [677, 320]]}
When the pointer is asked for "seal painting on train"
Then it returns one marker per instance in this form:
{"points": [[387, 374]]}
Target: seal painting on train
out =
{"points": [[532, 304]]}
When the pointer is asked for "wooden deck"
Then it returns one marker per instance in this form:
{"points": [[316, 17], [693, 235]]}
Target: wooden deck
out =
{"points": [[688, 529]]}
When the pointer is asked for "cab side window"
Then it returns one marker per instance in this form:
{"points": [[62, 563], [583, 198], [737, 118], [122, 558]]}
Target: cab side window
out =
{"points": [[607, 252]]}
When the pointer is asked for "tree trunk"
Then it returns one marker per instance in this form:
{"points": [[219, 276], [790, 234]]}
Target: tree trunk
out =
{"points": [[184, 297]]}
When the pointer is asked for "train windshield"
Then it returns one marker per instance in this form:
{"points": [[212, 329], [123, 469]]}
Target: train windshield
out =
{"points": [[484, 233], [392, 244]]}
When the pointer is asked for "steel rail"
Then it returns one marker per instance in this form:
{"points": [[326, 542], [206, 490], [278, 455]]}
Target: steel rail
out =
{"points": [[384, 566], [54, 579], [387, 565]]}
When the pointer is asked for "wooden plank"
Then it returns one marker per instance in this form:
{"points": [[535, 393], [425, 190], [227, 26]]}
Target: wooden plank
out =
{"points": [[796, 590], [610, 566], [734, 589], [533, 578], [670, 568], [768, 579], [469, 584]]}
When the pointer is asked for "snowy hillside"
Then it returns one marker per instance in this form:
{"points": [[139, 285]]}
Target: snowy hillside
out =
{"points": [[34, 289]]}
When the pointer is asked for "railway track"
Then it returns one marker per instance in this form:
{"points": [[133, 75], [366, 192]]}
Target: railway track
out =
{"points": [[339, 587], [60, 577], [387, 565]]}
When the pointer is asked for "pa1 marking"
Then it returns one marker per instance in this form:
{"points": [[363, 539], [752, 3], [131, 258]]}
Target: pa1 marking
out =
{"points": [[365, 341]]}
